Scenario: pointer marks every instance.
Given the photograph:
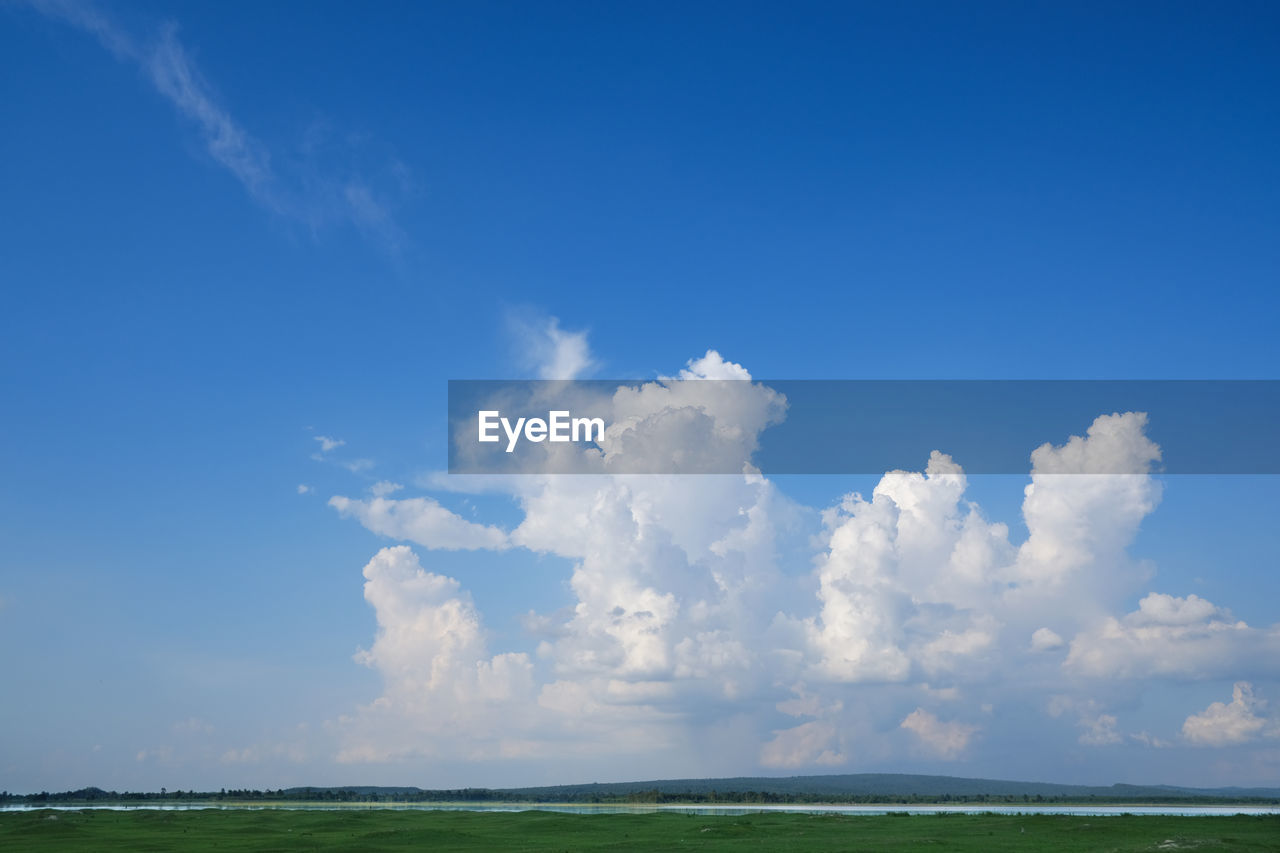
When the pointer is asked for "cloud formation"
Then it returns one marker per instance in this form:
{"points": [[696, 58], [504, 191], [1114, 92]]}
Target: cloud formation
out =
{"points": [[420, 520], [945, 739], [1170, 636], [430, 650], [716, 610], [548, 350], [1234, 722]]}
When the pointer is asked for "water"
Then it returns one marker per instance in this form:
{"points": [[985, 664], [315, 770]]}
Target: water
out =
{"points": [[725, 811]]}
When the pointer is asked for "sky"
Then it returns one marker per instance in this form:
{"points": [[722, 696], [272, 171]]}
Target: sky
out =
{"points": [[243, 248]]}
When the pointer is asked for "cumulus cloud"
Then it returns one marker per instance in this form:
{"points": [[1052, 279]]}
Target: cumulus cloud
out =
{"points": [[708, 419], [420, 520], [1113, 443], [703, 608], [1229, 723], [809, 744], [899, 577], [705, 420], [674, 580], [1170, 636], [943, 739], [439, 681], [1046, 640], [446, 697], [1079, 526]]}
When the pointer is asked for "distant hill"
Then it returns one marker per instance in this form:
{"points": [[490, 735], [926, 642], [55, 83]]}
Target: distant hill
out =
{"points": [[890, 784], [846, 788]]}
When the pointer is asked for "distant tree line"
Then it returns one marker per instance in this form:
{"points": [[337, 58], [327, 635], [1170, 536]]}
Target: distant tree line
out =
{"points": [[658, 797], [652, 796]]}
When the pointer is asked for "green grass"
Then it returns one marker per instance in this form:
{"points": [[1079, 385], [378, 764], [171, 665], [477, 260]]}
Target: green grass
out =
{"points": [[546, 831]]}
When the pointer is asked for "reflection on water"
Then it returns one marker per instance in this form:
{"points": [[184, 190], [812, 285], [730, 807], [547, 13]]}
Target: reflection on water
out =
{"points": [[726, 811]]}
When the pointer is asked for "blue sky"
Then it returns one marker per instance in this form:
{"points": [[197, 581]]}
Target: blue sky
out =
{"points": [[226, 232]]}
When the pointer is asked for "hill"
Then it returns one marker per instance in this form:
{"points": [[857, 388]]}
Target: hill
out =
{"points": [[862, 785], [841, 788]]}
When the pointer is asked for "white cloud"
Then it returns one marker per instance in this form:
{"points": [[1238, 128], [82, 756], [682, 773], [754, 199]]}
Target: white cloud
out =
{"points": [[1229, 723], [327, 443], [550, 351], [900, 576], [1170, 636], [943, 739], [1079, 526], [812, 743], [420, 520], [304, 489], [1046, 640], [713, 366], [568, 355], [438, 680], [174, 76], [689, 425], [1160, 609], [674, 580], [703, 607], [382, 488], [1114, 444], [1100, 730]]}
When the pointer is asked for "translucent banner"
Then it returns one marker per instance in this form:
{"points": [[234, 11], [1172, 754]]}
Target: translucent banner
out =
{"points": [[790, 426]]}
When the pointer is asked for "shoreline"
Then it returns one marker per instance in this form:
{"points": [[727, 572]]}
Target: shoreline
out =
{"points": [[937, 808]]}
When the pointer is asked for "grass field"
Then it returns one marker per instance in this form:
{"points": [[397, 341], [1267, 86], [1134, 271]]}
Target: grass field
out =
{"points": [[545, 831]]}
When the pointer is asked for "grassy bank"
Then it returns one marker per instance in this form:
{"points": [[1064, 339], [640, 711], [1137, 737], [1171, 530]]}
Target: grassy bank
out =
{"points": [[225, 830]]}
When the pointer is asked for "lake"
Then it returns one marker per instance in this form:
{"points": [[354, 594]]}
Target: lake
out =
{"points": [[728, 811]]}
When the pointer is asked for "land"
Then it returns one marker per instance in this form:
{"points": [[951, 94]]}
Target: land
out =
{"points": [[384, 829], [857, 788]]}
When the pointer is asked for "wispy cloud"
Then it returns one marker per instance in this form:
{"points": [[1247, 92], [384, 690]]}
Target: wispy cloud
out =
{"points": [[294, 193], [87, 17], [174, 76], [328, 443], [550, 351]]}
